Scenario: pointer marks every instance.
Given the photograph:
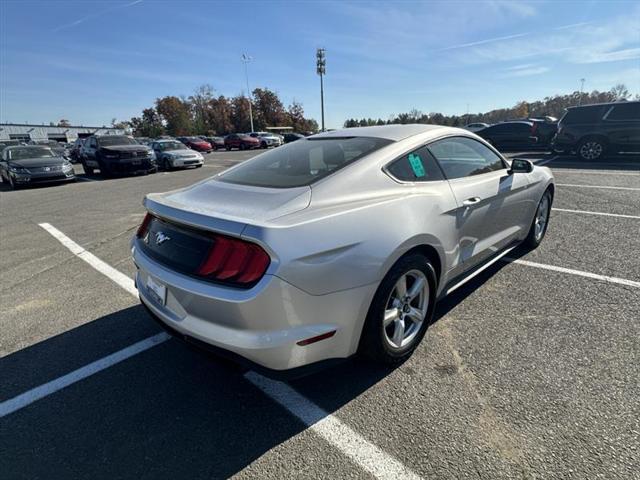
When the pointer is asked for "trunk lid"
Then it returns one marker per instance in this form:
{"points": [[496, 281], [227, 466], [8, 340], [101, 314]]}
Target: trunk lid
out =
{"points": [[227, 207]]}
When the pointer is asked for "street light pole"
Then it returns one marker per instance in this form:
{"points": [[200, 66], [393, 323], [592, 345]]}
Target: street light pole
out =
{"points": [[246, 59], [581, 88], [320, 70]]}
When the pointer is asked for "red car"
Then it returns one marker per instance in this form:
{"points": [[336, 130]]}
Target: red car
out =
{"points": [[196, 144], [240, 141]]}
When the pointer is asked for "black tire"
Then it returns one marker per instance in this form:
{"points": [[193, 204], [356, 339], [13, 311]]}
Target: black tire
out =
{"points": [[374, 342], [199, 166], [87, 170], [534, 237], [13, 184], [591, 149], [263, 145], [104, 172], [166, 166]]}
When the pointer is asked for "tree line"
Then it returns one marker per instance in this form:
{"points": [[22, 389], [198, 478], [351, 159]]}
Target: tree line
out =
{"points": [[204, 113], [550, 106]]}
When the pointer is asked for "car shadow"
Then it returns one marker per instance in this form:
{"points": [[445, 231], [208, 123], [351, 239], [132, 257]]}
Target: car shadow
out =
{"points": [[169, 412]]}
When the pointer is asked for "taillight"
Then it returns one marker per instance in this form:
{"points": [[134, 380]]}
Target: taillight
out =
{"points": [[144, 226], [234, 260]]}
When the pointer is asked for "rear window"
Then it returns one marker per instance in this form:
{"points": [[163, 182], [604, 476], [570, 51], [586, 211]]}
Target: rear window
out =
{"points": [[583, 115], [303, 162], [625, 112]]}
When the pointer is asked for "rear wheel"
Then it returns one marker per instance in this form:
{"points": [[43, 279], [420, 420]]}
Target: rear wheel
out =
{"points": [[540, 221], [401, 311], [591, 149]]}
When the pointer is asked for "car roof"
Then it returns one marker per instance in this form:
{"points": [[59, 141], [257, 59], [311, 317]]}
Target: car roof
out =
{"points": [[390, 132], [604, 104]]}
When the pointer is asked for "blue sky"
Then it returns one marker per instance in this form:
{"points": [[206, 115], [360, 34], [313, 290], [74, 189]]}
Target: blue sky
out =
{"points": [[91, 61]]}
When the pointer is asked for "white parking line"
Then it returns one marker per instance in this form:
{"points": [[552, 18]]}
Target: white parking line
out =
{"points": [[607, 187], [544, 162], [586, 212], [104, 268], [365, 454], [27, 398], [580, 273]]}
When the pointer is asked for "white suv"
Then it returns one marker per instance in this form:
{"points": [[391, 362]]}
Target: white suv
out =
{"points": [[267, 139]]}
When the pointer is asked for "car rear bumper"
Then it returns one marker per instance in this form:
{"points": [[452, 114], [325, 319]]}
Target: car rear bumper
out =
{"points": [[262, 324]]}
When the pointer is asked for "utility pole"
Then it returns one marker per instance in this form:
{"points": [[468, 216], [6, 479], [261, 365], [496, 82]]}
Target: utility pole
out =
{"points": [[246, 59], [320, 70], [581, 88]]}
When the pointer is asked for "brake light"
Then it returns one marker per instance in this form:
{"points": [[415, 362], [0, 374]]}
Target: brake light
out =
{"points": [[144, 226], [234, 260]]}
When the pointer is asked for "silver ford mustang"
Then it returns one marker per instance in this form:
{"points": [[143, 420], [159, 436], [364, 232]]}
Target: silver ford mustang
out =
{"points": [[335, 244]]}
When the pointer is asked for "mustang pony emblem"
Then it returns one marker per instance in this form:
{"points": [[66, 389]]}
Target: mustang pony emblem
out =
{"points": [[161, 238]]}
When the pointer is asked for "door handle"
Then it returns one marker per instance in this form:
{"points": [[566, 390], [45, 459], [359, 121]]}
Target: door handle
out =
{"points": [[471, 201]]}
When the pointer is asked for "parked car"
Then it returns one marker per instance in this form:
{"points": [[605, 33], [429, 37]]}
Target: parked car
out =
{"points": [[216, 142], [292, 137], [196, 143], [516, 135], [30, 164], [267, 139], [240, 141], [250, 261], [116, 154], [75, 154], [173, 154], [592, 131], [545, 129], [474, 127]]}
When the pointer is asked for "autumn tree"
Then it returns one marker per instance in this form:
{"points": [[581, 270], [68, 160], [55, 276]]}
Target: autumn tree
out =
{"points": [[149, 125], [268, 109], [176, 113]]}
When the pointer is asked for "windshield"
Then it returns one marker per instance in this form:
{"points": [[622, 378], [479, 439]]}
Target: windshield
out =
{"points": [[30, 152], [115, 140], [302, 162], [165, 146]]}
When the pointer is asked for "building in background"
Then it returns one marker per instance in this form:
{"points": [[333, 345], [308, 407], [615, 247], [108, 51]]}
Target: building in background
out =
{"points": [[23, 132]]}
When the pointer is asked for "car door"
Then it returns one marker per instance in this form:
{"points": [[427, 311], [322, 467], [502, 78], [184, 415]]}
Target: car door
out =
{"points": [[90, 149], [493, 204]]}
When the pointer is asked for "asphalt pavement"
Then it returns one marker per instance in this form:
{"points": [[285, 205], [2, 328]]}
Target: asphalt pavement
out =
{"points": [[530, 370]]}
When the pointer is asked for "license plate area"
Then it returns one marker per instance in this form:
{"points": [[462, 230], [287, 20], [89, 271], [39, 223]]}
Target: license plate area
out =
{"points": [[156, 290]]}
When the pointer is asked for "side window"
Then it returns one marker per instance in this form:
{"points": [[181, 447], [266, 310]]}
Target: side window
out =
{"points": [[625, 112], [464, 157], [417, 166]]}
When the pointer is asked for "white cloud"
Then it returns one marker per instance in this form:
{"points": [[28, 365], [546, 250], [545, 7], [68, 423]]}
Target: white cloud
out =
{"points": [[614, 56], [526, 70], [95, 14]]}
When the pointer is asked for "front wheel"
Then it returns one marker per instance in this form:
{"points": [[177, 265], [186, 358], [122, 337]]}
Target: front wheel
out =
{"points": [[87, 170], [540, 221], [401, 311]]}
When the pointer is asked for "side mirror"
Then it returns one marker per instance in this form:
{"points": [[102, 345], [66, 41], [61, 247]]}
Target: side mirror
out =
{"points": [[520, 165]]}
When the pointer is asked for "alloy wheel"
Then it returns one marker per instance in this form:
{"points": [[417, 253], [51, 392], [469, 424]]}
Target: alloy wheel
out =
{"points": [[542, 217], [591, 150], [406, 309]]}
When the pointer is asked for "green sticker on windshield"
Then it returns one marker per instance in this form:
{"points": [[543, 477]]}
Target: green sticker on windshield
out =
{"points": [[416, 165]]}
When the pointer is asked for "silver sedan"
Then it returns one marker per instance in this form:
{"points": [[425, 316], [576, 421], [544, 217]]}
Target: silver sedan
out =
{"points": [[337, 244]]}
